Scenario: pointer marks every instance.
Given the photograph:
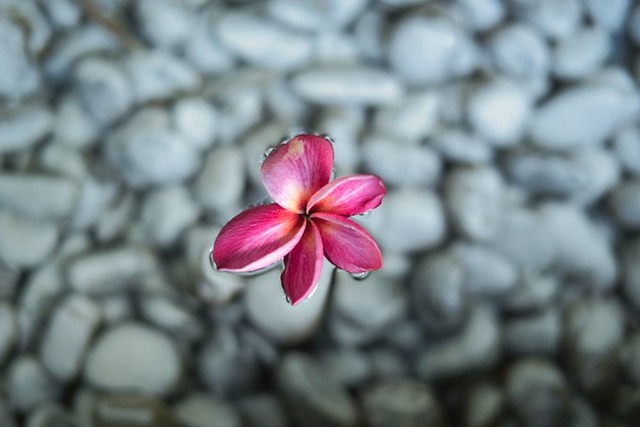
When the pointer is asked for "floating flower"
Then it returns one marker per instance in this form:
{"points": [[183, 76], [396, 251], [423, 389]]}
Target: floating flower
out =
{"points": [[309, 219]]}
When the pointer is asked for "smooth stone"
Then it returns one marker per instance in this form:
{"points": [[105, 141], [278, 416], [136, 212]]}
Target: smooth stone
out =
{"points": [[67, 337], [458, 146], [482, 15], [118, 410], [227, 364], [413, 118], [634, 25], [110, 270], [579, 116], [166, 213], [314, 15], [487, 272], [581, 54], [28, 384], [60, 159], [409, 220], [498, 111], [203, 49], [537, 334], [583, 414], [311, 396], [401, 164], [348, 366], [520, 51], [73, 126], [284, 105], [473, 197], [263, 43], [147, 151], [401, 402], [630, 357], [476, 347], [423, 50], [386, 363], [113, 221], [593, 335], [625, 204], [25, 243], [347, 85], [23, 127], [166, 24], [626, 147], [169, 315], [8, 330], [49, 415], [197, 120], [221, 180], [630, 267], [133, 357], [20, 78], [63, 13], [7, 417], [96, 193], [262, 410], [538, 393], [582, 252], [534, 292], [363, 311], [608, 14], [439, 294], [103, 88], [38, 197], [156, 75], [116, 308], [556, 19], [200, 410], [485, 406]]}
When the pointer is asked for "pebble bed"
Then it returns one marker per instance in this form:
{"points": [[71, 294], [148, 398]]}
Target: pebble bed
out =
{"points": [[507, 133]]}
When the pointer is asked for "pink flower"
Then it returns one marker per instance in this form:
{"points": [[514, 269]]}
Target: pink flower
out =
{"points": [[308, 220]]}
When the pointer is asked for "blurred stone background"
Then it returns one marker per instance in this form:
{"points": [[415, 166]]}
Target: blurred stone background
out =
{"points": [[506, 131]]}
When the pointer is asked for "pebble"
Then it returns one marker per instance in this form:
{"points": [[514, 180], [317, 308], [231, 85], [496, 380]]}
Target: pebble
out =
{"points": [[482, 15], [23, 127], [400, 164], [582, 252], [63, 13], [473, 197], [594, 330], [401, 402], [115, 410], [630, 358], [556, 19], [347, 86], [439, 294], [311, 396], [581, 54], [534, 292], [520, 51], [68, 335], [362, 311], [169, 315], [147, 152], [28, 384], [537, 334], [409, 220], [133, 357], [485, 405], [114, 218], [6, 416], [73, 126], [386, 363], [49, 415], [25, 243], [498, 111], [609, 15], [626, 146], [458, 146], [263, 410], [166, 213], [110, 270], [197, 120], [579, 116], [476, 346], [313, 15], [8, 330], [487, 272], [202, 49], [221, 181], [634, 25], [625, 204], [96, 194], [347, 366], [423, 50], [200, 410], [263, 43], [19, 76], [630, 266], [165, 24], [538, 393], [412, 119]]}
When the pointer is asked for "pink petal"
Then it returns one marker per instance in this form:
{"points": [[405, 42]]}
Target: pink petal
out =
{"points": [[303, 265], [297, 169], [346, 244], [348, 195], [256, 238]]}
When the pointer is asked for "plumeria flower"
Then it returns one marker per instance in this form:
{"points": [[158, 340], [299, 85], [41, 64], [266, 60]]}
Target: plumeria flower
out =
{"points": [[308, 221]]}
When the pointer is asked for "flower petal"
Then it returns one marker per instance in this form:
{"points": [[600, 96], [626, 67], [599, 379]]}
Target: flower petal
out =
{"points": [[348, 195], [256, 238], [346, 244], [303, 265], [297, 169]]}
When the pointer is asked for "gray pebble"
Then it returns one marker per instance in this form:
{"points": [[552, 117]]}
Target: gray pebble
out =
{"points": [[166, 23], [594, 330], [630, 357], [73, 126], [133, 357], [520, 51], [625, 204], [200, 410], [386, 363], [67, 336], [608, 14], [482, 15], [114, 410], [166, 213], [634, 25], [203, 49], [313, 15], [538, 394], [221, 181], [312, 396], [49, 415], [115, 218], [534, 292], [400, 164], [28, 384], [19, 76], [581, 54], [401, 403], [460, 147], [630, 267], [109, 271], [167, 314], [197, 120], [555, 18], [347, 366], [487, 272], [25, 243], [95, 196], [63, 13], [23, 127], [263, 410], [8, 330], [477, 346], [347, 85], [626, 145], [413, 118], [7, 417], [537, 334], [485, 406]]}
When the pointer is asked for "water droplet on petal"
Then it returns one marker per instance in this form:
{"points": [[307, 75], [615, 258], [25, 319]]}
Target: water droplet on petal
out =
{"points": [[364, 214], [333, 175], [313, 291], [328, 138], [287, 299], [360, 276]]}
